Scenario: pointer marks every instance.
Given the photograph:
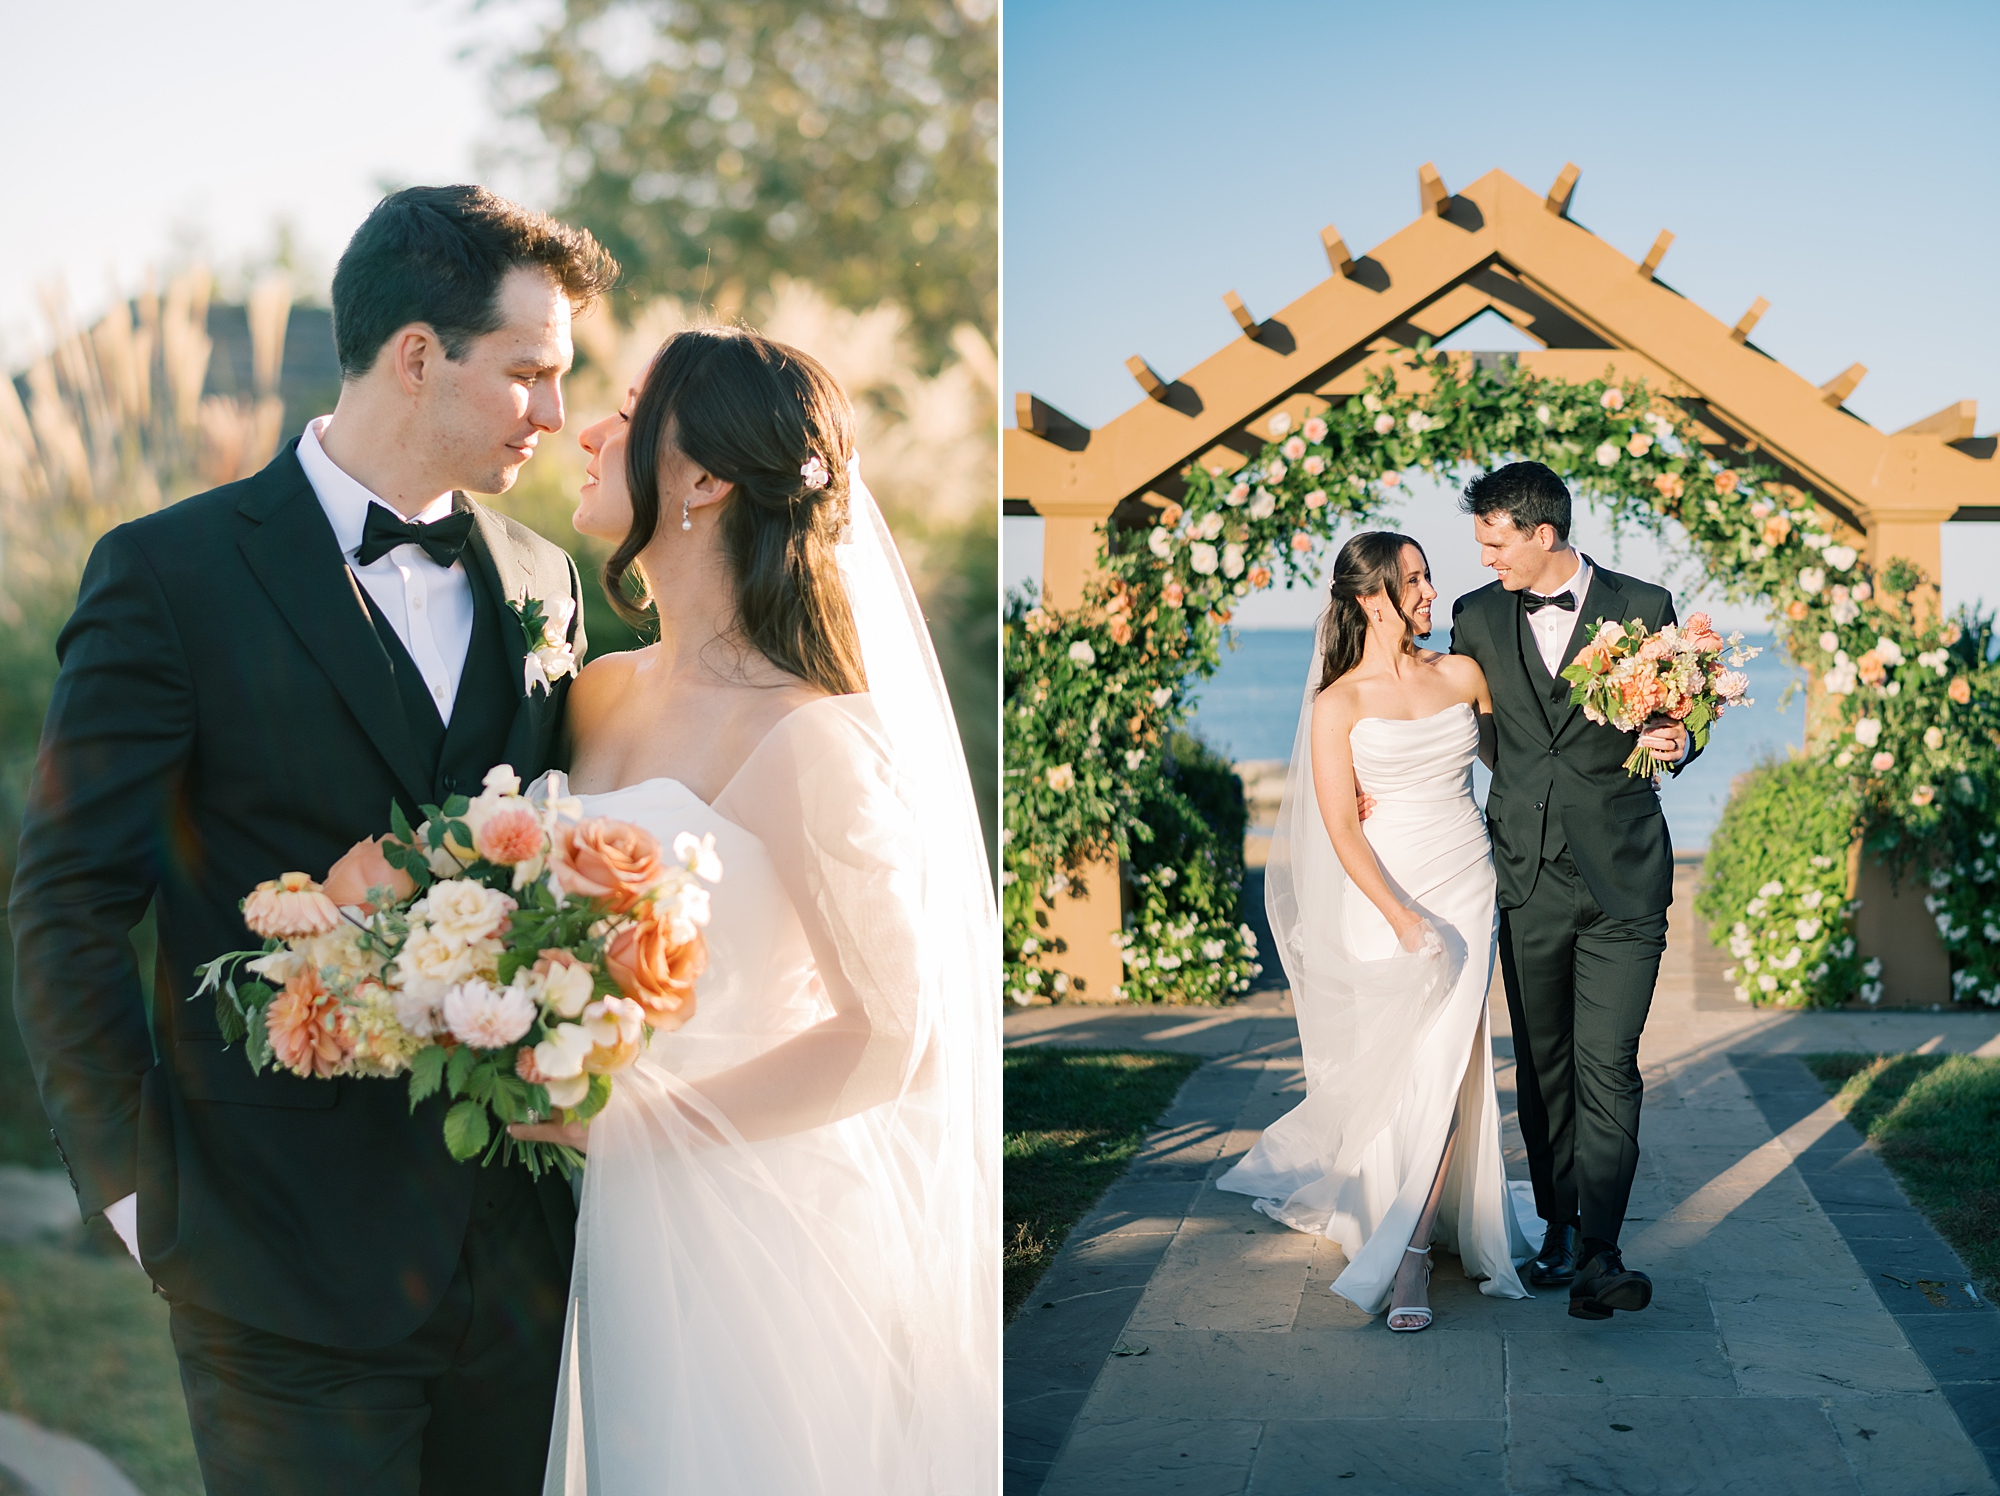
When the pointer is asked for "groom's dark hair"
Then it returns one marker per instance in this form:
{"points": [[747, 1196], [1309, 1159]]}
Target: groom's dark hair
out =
{"points": [[438, 255], [1526, 492]]}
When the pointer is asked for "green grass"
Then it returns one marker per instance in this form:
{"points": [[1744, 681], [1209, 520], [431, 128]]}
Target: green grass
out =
{"points": [[85, 1351], [1935, 1121], [1075, 1119]]}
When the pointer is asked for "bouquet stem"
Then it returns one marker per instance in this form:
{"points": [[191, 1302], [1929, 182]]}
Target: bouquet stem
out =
{"points": [[1642, 763]]}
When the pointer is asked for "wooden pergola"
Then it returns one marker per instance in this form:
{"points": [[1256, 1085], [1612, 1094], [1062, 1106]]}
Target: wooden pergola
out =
{"points": [[1499, 246]]}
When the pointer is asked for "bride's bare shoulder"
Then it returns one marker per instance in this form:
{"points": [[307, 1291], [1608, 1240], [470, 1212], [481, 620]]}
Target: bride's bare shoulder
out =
{"points": [[1462, 674], [1337, 705], [602, 682]]}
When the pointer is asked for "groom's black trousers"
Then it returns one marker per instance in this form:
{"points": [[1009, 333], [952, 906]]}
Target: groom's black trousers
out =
{"points": [[461, 1407], [1579, 984]]}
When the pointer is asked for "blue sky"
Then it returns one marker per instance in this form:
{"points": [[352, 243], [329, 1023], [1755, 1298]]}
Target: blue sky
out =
{"points": [[1836, 159], [144, 131]]}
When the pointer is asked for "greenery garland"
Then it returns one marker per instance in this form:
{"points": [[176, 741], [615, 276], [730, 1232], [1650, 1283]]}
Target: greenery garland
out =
{"points": [[1908, 722]]}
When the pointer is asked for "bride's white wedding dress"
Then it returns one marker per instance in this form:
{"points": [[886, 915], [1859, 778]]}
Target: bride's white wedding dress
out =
{"points": [[1394, 1044], [787, 1268]]}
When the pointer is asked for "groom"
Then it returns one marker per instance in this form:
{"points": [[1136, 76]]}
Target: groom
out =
{"points": [[249, 679], [1585, 872]]}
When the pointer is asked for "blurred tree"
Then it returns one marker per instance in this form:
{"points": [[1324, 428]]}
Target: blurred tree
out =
{"points": [[717, 144]]}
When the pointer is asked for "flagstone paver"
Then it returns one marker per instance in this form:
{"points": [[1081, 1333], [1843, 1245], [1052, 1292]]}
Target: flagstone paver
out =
{"points": [[1183, 1343]]}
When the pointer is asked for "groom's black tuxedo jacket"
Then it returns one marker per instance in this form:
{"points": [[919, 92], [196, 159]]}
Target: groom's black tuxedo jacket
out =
{"points": [[1559, 777], [230, 708]]}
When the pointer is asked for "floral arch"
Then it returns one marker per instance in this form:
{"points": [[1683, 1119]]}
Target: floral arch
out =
{"points": [[1903, 742]]}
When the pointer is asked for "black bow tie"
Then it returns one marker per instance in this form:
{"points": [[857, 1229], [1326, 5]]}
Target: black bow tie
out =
{"points": [[383, 532], [1535, 602]]}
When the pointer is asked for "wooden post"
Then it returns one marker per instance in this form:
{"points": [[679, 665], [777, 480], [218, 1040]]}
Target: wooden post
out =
{"points": [[1088, 925]]}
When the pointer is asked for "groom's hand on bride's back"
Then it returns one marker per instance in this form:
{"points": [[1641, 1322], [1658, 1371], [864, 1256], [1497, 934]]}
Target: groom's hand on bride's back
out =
{"points": [[1364, 803]]}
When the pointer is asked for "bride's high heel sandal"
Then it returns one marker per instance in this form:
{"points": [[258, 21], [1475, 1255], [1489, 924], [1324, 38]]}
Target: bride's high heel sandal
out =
{"points": [[1413, 1311]]}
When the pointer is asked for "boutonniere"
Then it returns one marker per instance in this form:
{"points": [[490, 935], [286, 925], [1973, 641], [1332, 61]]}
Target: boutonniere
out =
{"points": [[550, 657]]}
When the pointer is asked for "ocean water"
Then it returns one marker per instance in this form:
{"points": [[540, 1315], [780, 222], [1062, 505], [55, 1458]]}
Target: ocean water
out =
{"points": [[1249, 709]]}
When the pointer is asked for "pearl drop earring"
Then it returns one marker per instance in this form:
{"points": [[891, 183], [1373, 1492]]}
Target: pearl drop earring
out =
{"points": [[686, 523]]}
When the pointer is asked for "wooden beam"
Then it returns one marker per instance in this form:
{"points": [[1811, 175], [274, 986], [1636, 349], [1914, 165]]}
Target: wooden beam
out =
{"points": [[1656, 254], [1430, 186], [1154, 386], [1240, 312], [1336, 251], [1837, 389], [1563, 191], [1953, 423], [1039, 418], [1741, 331]]}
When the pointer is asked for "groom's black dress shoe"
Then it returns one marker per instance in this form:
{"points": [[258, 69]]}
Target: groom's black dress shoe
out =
{"points": [[1604, 1283], [1555, 1264]]}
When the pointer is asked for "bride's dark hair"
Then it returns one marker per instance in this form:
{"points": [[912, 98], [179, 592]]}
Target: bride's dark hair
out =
{"points": [[755, 413], [1369, 563]]}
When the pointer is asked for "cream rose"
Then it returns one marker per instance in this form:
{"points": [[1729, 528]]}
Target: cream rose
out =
{"points": [[463, 912]]}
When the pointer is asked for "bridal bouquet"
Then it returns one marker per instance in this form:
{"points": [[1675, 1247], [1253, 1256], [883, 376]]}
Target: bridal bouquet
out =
{"points": [[1628, 678], [505, 950]]}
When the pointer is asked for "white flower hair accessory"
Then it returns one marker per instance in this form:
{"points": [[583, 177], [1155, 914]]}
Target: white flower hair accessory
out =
{"points": [[815, 474]]}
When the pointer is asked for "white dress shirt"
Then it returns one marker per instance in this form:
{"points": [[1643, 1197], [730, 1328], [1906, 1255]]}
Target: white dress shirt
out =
{"points": [[428, 605], [1551, 626]]}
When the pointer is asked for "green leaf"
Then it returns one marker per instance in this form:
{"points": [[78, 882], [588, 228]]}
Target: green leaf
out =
{"points": [[458, 1068], [255, 994], [480, 1083], [257, 1041], [426, 1074], [466, 1130], [400, 823], [456, 806], [594, 1100], [229, 1020]]}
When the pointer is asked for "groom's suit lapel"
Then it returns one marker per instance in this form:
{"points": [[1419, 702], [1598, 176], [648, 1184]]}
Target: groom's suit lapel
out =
{"points": [[293, 553], [1606, 600], [498, 565]]}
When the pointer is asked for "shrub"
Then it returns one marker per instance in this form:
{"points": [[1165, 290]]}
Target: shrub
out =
{"points": [[1184, 938], [1774, 887]]}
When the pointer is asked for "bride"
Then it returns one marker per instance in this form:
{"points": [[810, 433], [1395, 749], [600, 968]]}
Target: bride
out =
{"points": [[788, 1239], [1386, 929]]}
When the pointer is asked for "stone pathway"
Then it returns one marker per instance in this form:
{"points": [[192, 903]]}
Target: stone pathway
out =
{"points": [[1183, 1343], [39, 1204]]}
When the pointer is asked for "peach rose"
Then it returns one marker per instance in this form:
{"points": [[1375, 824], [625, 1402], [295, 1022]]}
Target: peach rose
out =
{"points": [[610, 860], [1260, 576], [289, 908], [362, 868], [1795, 609], [308, 1028], [655, 969], [1960, 690], [1700, 633], [1670, 485], [1121, 631], [1872, 670], [511, 834], [1173, 594], [1776, 528], [1171, 515], [1726, 481]]}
